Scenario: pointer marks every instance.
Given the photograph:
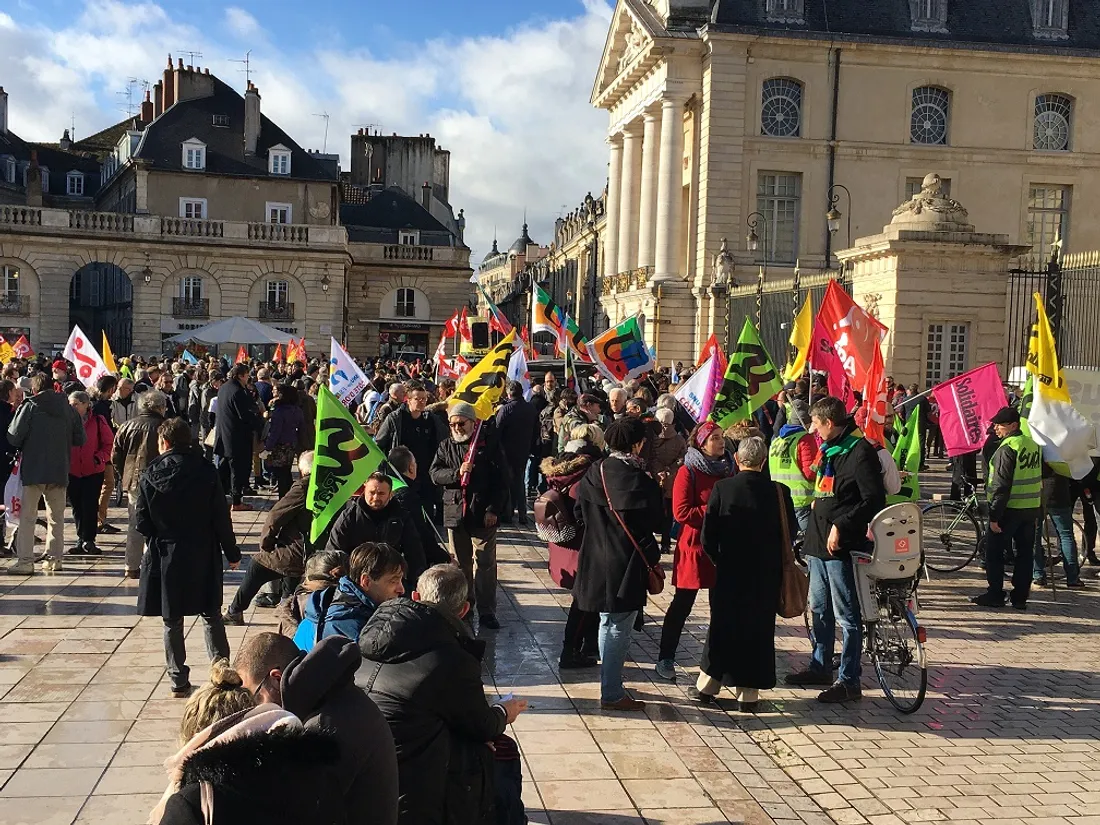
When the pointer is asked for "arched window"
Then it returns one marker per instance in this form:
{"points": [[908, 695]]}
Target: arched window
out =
{"points": [[928, 123], [781, 108], [1053, 122]]}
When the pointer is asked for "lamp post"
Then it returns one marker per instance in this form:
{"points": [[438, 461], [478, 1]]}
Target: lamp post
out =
{"points": [[753, 240], [834, 215]]}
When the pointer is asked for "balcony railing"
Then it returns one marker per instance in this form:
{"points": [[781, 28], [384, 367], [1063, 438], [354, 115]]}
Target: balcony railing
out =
{"points": [[403, 252], [15, 305], [102, 221], [270, 311], [21, 215], [191, 227], [190, 307], [278, 232]]}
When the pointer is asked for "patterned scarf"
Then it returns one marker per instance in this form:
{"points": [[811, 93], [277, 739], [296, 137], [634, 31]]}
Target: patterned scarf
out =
{"points": [[826, 458], [719, 467]]}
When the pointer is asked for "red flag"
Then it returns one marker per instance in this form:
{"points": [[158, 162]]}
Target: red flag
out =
{"points": [[450, 329], [872, 413], [302, 351], [22, 347], [854, 335], [242, 355], [462, 366], [824, 359], [967, 403], [464, 326], [278, 356]]}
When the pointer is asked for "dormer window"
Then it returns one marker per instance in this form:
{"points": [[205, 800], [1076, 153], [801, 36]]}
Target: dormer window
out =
{"points": [[1050, 19], [74, 184], [278, 160], [194, 154], [929, 16], [221, 121], [9, 169], [785, 11]]}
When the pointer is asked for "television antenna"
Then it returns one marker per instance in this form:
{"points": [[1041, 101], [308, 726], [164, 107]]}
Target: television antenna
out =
{"points": [[131, 84], [247, 61], [192, 55], [325, 115]]}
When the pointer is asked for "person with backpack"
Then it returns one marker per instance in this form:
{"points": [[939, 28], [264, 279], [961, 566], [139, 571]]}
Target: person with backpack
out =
{"points": [[548, 430], [706, 462]]}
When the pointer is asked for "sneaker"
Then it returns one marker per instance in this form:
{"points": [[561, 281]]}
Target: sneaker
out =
{"points": [[695, 695], [242, 508], [1039, 582], [264, 600], [90, 549], [108, 529], [20, 568], [810, 677], [233, 619], [988, 600], [181, 692], [840, 692], [52, 566], [626, 703], [1077, 585], [488, 621], [576, 661], [77, 551], [1092, 559], [666, 669]]}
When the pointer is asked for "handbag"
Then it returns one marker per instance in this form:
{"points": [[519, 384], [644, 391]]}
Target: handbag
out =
{"points": [[655, 574], [794, 586]]}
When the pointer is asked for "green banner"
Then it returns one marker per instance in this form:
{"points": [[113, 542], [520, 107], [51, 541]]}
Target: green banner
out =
{"points": [[907, 456], [751, 379], [344, 457]]}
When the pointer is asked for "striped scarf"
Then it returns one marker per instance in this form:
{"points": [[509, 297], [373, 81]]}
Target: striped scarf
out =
{"points": [[826, 457]]}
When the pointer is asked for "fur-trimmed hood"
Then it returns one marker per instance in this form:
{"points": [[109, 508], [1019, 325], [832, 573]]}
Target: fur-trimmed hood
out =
{"points": [[564, 464], [261, 760]]}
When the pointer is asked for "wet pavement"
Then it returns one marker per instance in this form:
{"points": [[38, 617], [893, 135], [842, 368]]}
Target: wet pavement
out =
{"points": [[1010, 731]]}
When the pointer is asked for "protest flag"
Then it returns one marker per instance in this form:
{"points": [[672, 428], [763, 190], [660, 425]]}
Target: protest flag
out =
{"points": [[482, 386], [967, 403], [801, 338], [750, 380], [89, 366], [621, 353], [108, 356]]}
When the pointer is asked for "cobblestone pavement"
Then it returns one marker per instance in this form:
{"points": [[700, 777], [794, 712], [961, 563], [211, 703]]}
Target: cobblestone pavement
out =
{"points": [[1010, 731]]}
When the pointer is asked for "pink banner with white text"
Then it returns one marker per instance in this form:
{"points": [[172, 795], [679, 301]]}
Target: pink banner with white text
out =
{"points": [[967, 403]]}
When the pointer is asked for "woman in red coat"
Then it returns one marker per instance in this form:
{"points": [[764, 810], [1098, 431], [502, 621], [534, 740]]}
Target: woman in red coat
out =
{"points": [[706, 463], [86, 466]]}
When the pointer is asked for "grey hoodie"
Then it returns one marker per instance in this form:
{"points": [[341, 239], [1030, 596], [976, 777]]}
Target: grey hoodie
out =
{"points": [[45, 429]]}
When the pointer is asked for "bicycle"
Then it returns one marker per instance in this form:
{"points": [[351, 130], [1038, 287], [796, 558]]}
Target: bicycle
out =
{"points": [[952, 532], [886, 585]]}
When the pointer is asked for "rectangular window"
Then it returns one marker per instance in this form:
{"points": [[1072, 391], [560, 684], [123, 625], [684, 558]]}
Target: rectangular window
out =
{"points": [[193, 208], [280, 163], [913, 185], [278, 293], [1047, 218], [221, 121], [45, 179], [408, 238], [778, 198], [278, 212], [194, 157], [74, 183], [9, 283], [9, 169], [405, 304], [191, 288], [946, 355]]}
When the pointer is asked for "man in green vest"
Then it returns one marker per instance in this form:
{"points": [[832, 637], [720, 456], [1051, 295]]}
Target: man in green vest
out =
{"points": [[791, 459], [1014, 489]]}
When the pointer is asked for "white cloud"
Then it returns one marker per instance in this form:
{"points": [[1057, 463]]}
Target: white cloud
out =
{"points": [[512, 108]]}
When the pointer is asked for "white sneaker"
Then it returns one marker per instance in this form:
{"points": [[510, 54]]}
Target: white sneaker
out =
{"points": [[21, 568], [51, 566]]}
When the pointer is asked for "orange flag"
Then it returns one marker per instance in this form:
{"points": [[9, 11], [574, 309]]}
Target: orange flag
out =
{"points": [[302, 350], [242, 355], [291, 351], [278, 356]]}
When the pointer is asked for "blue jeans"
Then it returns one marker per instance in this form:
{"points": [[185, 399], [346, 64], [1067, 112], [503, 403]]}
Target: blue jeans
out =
{"points": [[833, 599], [802, 514], [1062, 518], [615, 631]]}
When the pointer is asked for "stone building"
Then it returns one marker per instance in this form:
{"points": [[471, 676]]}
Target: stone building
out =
{"points": [[506, 277], [790, 132]]}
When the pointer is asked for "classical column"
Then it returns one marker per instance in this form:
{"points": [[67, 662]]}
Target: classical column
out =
{"points": [[647, 212], [611, 208], [670, 182], [630, 198]]}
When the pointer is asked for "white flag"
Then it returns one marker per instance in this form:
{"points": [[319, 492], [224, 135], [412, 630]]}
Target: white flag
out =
{"points": [[345, 378], [1065, 435], [89, 365], [696, 395], [517, 371]]}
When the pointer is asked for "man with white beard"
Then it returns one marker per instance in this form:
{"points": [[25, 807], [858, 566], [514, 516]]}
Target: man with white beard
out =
{"points": [[474, 479]]}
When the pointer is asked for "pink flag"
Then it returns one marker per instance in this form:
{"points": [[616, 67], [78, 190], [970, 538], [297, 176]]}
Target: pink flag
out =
{"points": [[967, 403], [823, 358]]}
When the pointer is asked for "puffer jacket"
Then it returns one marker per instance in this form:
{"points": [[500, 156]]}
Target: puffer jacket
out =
{"points": [[357, 523], [45, 429], [92, 456], [336, 611], [135, 446]]}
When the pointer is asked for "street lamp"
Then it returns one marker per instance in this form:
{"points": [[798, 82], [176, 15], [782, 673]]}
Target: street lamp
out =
{"points": [[834, 215], [754, 220]]}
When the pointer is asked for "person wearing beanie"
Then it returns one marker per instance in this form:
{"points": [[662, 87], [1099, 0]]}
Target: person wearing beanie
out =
{"points": [[471, 469]]}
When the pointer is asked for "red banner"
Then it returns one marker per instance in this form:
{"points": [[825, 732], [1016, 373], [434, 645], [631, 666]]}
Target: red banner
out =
{"points": [[242, 355], [967, 403], [854, 337]]}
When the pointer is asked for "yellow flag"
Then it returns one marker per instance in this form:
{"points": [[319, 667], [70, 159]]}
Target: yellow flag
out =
{"points": [[109, 357], [7, 352], [1042, 357], [484, 383], [801, 336]]}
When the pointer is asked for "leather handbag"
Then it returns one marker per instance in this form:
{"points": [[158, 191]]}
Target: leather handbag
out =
{"points": [[655, 574], [794, 586]]}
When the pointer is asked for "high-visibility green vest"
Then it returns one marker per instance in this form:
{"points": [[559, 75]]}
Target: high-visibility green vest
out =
{"points": [[783, 464], [1027, 479]]}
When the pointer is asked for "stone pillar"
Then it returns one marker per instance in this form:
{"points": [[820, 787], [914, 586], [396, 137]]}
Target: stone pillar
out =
{"points": [[647, 212], [614, 195], [670, 184], [630, 197]]}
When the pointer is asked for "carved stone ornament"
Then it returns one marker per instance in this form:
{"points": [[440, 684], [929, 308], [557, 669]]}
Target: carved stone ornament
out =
{"points": [[319, 210], [606, 285], [932, 209], [635, 42], [722, 266], [622, 281]]}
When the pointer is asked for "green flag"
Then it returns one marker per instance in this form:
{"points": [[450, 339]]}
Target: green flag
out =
{"points": [[907, 457], [344, 457], [751, 379]]}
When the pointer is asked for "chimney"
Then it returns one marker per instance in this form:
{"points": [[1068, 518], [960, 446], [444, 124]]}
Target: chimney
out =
{"points": [[169, 91], [66, 141], [3, 111], [34, 181], [251, 118], [158, 100], [147, 109], [426, 196]]}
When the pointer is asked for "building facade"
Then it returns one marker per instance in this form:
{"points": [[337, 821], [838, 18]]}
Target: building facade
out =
{"points": [[790, 134]]}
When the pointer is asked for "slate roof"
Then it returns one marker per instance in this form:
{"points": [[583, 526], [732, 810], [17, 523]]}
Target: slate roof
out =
{"points": [[56, 160], [379, 219], [1002, 23], [161, 146]]}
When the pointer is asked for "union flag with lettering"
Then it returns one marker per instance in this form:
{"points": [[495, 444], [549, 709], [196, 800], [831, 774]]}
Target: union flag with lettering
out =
{"points": [[621, 353], [854, 336]]}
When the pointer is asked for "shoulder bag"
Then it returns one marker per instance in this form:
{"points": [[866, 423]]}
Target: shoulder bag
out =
{"points": [[794, 587], [655, 574]]}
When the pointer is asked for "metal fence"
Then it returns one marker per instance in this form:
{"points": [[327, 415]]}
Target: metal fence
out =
{"points": [[774, 302]]}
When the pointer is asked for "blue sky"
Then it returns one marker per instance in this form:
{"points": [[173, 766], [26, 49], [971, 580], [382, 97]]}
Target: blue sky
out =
{"points": [[503, 85]]}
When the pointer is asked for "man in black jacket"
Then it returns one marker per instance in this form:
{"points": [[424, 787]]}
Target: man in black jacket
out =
{"points": [[236, 423], [319, 688], [518, 426], [402, 460], [375, 517], [412, 426], [424, 672], [848, 493], [475, 488]]}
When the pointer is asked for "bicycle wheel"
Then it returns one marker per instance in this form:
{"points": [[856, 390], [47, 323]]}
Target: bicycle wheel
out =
{"points": [[898, 656], [949, 536]]}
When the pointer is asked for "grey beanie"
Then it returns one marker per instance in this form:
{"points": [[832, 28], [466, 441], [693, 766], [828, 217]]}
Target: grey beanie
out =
{"points": [[461, 408], [800, 412]]}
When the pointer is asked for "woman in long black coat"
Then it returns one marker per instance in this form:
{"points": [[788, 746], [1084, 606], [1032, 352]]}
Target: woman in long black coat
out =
{"points": [[743, 536], [611, 573], [182, 513]]}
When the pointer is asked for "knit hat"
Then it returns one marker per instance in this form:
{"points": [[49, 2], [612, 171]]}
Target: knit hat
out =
{"points": [[800, 412], [462, 409]]}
